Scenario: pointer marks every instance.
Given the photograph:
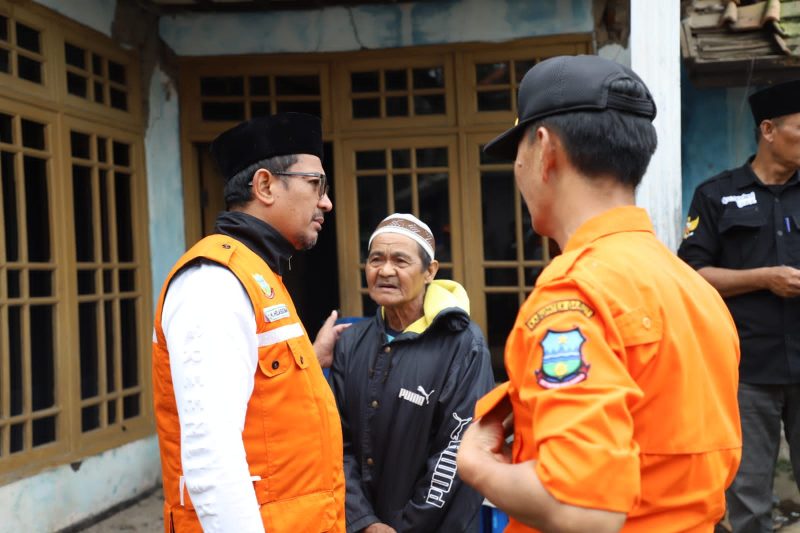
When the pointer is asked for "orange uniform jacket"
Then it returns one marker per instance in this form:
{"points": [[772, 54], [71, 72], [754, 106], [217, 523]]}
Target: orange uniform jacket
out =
{"points": [[623, 377], [292, 434]]}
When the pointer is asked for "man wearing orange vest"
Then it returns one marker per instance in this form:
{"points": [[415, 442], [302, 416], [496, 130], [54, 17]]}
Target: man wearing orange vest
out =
{"points": [[623, 361], [248, 428]]}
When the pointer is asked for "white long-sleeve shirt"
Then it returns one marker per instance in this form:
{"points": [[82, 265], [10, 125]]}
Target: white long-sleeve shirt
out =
{"points": [[210, 330]]}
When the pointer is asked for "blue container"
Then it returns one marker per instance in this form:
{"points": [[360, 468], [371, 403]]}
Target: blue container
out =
{"points": [[493, 520]]}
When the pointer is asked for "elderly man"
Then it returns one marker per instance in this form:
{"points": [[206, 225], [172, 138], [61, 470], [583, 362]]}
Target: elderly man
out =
{"points": [[743, 236], [406, 382], [623, 361], [249, 434]]}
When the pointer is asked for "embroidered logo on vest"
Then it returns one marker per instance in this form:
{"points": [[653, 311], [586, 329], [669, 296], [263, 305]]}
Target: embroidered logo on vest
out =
{"points": [[268, 291]]}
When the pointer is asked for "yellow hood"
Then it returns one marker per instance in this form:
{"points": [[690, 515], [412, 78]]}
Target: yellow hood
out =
{"points": [[441, 294]]}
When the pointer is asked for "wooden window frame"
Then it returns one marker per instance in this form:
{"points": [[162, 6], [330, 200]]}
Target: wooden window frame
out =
{"points": [[51, 104]]}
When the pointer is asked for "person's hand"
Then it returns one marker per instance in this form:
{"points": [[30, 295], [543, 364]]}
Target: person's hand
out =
{"points": [[378, 527], [784, 281], [327, 336], [485, 440]]}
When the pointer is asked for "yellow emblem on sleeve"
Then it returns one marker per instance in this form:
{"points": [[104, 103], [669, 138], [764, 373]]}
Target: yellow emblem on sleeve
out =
{"points": [[560, 306], [691, 225]]}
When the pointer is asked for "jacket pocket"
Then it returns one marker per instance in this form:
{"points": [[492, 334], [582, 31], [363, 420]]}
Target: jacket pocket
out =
{"points": [[310, 513], [638, 326], [741, 219], [275, 360]]}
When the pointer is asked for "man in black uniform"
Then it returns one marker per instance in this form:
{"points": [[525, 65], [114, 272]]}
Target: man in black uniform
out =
{"points": [[743, 236]]}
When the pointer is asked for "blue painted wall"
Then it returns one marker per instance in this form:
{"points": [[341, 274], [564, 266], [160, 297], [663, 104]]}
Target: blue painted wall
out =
{"points": [[717, 133]]}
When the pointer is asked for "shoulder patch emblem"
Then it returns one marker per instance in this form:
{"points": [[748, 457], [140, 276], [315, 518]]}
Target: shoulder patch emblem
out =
{"points": [[268, 291], [691, 225], [560, 306], [562, 359]]}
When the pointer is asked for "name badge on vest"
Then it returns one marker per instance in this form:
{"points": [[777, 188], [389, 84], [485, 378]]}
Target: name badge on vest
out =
{"points": [[276, 312]]}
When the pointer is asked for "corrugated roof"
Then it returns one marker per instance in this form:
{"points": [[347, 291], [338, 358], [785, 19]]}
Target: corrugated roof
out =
{"points": [[734, 42]]}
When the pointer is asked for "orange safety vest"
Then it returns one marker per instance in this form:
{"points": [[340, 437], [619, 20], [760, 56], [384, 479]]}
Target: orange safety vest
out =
{"points": [[292, 433]]}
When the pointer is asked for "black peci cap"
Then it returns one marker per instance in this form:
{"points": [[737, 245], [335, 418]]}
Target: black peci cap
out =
{"points": [[264, 137], [775, 101], [564, 84]]}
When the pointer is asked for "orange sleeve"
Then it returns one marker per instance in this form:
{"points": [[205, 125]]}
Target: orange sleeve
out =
{"points": [[576, 397]]}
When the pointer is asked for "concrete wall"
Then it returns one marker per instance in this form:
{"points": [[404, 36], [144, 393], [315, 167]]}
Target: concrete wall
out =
{"points": [[717, 133], [391, 26]]}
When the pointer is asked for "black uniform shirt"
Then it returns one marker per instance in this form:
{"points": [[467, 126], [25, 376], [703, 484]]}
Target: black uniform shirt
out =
{"points": [[737, 222]]}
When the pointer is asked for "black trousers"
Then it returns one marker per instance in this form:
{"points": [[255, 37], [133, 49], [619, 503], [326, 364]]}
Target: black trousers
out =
{"points": [[762, 409]]}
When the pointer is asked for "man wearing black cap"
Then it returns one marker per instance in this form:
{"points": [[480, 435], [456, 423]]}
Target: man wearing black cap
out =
{"points": [[248, 429], [622, 362], [743, 236]]}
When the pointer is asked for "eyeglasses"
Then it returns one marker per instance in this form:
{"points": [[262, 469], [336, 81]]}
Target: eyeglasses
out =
{"points": [[321, 180]]}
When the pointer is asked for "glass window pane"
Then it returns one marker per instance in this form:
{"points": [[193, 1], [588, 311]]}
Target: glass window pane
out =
{"points": [[105, 223], [127, 280], [97, 64], [499, 223], [40, 283], [15, 358], [116, 72], [14, 287], [501, 277], [131, 406], [494, 101], [84, 212], [99, 93], [501, 311], [366, 108], [42, 357], [492, 73], [401, 158], [44, 430], [75, 56], [122, 190], [17, 431], [371, 160], [3, 28], [102, 150], [223, 111], [76, 85], [79, 144], [86, 282], [111, 411], [29, 69], [27, 38], [531, 275], [121, 154], [397, 106], [428, 78], [396, 80], [402, 193], [87, 328], [364, 82], [533, 244], [108, 317], [33, 134], [310, 108], [90, 418], [431, 157], [222, 86], [5, 61], [369, 306], [434, 210], [259, 86], [108, 281], [10, 205], [119, 99], [372, 208], [259, 109], [300, 85], [37, 204], [521, 68], [129, 333], [430, 104], [6, 129]]}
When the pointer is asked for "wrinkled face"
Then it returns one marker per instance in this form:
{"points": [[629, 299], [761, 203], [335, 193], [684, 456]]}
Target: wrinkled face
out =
{"points": [[299, 211], [394, 271], [786, 140]]}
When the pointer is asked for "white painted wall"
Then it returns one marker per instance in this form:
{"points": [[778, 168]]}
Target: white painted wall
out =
{"points": [[655, 57], [62, 496]]}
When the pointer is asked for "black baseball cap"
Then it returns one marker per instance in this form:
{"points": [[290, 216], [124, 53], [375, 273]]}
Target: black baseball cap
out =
{"points": [[563, 84]]}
